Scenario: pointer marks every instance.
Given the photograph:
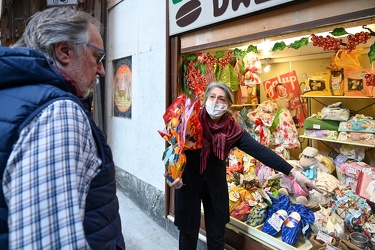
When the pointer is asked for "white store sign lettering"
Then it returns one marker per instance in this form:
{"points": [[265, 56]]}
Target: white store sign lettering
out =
{"points": [[186, 15]]}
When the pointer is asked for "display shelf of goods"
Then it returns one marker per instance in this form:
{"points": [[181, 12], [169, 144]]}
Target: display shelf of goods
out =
{"points": [[365, 143], [243, 105], [338, 97], [337, 141], [271, 242], [364, 99]]}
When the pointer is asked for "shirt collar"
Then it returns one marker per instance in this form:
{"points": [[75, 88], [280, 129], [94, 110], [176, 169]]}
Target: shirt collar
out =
{"points": [[72, 84]]}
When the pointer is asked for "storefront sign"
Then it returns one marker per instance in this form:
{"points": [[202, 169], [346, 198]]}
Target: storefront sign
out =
{"points": [[61, 2], [185, 15]]}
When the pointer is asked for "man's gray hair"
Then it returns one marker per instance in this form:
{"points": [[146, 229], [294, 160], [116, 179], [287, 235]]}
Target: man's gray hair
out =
{"points": [[228, 91], [54, 25]]}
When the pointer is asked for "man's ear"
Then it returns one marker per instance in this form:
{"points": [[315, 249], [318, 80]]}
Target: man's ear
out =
{"points": [[64, 54]]}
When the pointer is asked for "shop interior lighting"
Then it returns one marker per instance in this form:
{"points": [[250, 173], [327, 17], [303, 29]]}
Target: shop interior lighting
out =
{"points": [[267, 68]]}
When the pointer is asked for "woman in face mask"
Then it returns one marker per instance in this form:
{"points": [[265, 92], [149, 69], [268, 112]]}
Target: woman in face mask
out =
{"points": [[204, 177]]}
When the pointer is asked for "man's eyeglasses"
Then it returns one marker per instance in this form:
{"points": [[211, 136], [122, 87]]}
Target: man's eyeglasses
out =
{"points": [[102, 55]]}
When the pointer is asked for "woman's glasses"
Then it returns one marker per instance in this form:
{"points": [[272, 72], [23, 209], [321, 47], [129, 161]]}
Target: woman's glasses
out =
{"points": [[102, 55]]}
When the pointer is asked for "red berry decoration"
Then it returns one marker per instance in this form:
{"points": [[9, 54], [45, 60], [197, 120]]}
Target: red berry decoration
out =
{"points": [[330, 43], [327, 43], [370, 79], [357, 38]]}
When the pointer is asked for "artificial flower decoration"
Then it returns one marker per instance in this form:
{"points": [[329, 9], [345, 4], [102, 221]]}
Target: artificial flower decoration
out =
{"points": [[198, 72]]}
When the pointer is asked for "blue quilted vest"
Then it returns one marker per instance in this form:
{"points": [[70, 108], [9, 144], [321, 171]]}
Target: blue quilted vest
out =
{"points": [[18, 106]]}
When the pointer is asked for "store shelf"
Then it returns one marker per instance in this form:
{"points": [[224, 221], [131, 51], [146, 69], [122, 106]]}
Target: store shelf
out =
{"points": [[244, 105], [336, 96], [336, 141], [339, 98], [266, 239], [239, 107]]}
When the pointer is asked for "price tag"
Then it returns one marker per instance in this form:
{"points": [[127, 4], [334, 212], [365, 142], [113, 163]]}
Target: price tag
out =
{"points": [[340, 159], [318, 216], [371, 227], [257, 195], [245, 158], [335, 83], [267, 172], [276, 222], [354, 212], [316, 126], [262, 205], [330, 247], [352, 171], [324, 237], [252, 203]]}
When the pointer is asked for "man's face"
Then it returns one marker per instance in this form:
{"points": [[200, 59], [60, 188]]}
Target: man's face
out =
{"points": [[84, 67]]}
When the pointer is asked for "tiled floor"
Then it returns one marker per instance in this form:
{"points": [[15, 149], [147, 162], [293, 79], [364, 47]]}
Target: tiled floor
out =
{"points": [[140, 231]]}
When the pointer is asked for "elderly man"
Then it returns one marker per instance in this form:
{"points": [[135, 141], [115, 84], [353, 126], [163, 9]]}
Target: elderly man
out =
{"points": [[58, 177]]}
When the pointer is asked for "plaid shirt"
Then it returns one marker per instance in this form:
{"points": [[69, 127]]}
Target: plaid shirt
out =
{"points": [[47, 179]]}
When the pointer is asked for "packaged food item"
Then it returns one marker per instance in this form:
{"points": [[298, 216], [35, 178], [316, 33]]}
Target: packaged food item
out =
{"points": [[337, 82], [355, 83], [358, 123], [321, 133], [335, 112], [317, 84], [315, 122], [274, 222]]}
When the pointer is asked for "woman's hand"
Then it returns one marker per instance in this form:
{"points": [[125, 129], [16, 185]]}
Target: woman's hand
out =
{"points": [[305, 183], [177, 184]]}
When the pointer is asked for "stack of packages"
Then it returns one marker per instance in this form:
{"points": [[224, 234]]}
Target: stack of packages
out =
{"points": [[345, 216], [332, 226], [358, 128], [349, 162], [325, 124], [247, 200]]}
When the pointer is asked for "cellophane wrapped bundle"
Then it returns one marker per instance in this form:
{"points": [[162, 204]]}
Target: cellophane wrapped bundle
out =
{"points": [[182, 131]]}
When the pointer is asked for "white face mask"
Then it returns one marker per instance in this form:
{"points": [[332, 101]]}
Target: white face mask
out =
{"points": [[215, 110]]}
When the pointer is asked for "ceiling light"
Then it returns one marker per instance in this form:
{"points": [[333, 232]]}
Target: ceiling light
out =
{"points": [[267, 68]]}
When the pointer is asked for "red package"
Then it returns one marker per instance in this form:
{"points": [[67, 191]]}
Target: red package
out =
{"points": [[241, 212]]}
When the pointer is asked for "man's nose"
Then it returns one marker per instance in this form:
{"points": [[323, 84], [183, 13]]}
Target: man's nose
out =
{"points": [[100, 69]]}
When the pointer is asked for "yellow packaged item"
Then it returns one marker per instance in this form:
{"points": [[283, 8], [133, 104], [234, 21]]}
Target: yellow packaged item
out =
{"points": [[337, 82], [317, 84]]}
